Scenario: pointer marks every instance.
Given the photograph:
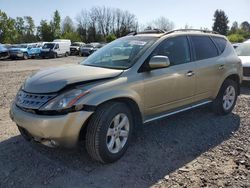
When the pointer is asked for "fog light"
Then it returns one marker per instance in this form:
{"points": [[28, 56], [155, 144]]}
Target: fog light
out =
{"points": [[54, 143]]}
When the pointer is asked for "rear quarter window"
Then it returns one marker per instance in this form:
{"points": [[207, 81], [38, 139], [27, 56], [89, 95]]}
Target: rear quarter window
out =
{"points": [[204, 47], [221, 43]]}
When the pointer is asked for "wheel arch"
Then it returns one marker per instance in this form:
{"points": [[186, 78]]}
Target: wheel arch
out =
{"points": [[132, 105], [235, 77]]}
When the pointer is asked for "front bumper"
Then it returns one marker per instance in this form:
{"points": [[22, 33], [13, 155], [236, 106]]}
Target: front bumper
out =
{"points": [[47, 54], [62, 129], [246, 73], [16, 54], [4, 55]]}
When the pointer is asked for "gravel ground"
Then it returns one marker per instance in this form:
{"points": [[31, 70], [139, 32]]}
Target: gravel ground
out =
{"points": [[192, 149]]}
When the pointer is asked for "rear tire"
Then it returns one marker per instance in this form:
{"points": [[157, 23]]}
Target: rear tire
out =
{"points": [[226, 98], [66, 54], [109, 132]]}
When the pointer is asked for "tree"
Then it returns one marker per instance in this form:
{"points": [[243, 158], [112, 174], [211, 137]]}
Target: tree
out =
{"points": [[8, 33], [56, 25], [220, 22], [162, 23], [245, 26], [20, 28], [235, 27], [68, 25], [82, 24], [235, 38], [44, 31], [29, 35], [110, 38]]}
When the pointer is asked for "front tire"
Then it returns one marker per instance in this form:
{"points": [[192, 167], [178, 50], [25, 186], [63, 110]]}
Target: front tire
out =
{"points": [[109, 132], [226, 98], [25, 56], [55, 55]]}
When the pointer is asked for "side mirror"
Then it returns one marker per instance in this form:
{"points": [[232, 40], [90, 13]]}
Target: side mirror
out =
{"points": [[158, 61]]}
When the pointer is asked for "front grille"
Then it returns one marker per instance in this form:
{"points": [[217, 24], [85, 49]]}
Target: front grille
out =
{"points": [[246, 71], [4, 54], [31, 101]]}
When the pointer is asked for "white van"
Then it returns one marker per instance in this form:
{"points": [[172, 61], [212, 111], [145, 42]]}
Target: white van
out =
{"points": [[55, 49], [63, 40]]}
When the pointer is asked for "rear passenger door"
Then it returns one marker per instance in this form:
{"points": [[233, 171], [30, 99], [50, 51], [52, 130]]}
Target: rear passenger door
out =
{"points": [[208, 66]]}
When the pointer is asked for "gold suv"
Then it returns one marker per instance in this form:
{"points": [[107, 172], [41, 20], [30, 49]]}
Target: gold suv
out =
{"points": [[131, 81]]}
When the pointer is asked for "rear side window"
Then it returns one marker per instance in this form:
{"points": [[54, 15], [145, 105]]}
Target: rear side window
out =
{"points": [[221, 43], [204, 47]]}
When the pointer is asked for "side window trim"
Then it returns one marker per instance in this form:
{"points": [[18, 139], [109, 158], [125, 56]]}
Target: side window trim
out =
{"points": [[218, 49], [191, 49]]}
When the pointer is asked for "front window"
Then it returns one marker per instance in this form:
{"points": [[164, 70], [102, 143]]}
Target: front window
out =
{"points": [[243, 50], [176, 49], [120, 54], [48, 46]]}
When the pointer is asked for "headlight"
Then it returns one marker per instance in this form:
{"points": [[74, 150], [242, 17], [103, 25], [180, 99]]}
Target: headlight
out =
{"points": [[65, 100]]}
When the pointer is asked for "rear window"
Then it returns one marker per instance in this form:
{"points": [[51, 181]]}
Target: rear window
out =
{"points": [[221, 43], [204, 47]]}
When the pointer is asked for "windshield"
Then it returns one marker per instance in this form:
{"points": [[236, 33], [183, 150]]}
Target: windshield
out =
{"points": [[88, 46], [75, 44], [23, 46], [120, 54], [243, 50], [48, 45]]}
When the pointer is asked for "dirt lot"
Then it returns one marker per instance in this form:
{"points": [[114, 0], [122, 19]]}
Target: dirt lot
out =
{"points": [[192, 149]]}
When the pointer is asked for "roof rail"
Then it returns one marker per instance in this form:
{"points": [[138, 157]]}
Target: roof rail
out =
{"points": [[150, 31], [198, 30], [159, 31]]}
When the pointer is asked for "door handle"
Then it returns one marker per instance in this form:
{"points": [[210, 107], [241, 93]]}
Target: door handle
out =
{"points": [[221, 67], [190, 73]]}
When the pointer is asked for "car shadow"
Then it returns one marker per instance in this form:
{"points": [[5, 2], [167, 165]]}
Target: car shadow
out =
{"points": [[245, 88], [160, 148]]}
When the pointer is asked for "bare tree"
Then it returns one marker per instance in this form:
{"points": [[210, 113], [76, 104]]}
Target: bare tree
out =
{"points": [[101, 22], [162, 23]]}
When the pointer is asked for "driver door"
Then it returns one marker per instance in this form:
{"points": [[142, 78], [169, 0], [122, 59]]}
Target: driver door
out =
{"points": [[168, 88]]}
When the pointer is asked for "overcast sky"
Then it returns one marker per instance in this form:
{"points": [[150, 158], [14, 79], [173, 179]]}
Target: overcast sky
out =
{"points": [[195, 13]]}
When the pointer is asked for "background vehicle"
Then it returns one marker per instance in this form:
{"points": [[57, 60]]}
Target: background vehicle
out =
{"points": [[97, 47], [243, 51], [132, 80], [88, 49], [36, 48], [55, 49], [63, 40], [20, 51], [75, 48], [236, 45], [4, 52]]}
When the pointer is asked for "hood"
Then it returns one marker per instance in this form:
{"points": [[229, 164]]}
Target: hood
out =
{"points": [[245, 61], [54, 79]]}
